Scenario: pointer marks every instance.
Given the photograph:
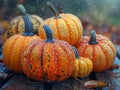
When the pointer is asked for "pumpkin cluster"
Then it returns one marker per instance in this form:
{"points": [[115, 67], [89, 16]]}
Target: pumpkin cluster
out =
{"points": [[54, 49]]}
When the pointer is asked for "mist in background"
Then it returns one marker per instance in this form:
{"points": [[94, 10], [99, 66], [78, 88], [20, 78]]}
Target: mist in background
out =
{"points": [[95, 11]]}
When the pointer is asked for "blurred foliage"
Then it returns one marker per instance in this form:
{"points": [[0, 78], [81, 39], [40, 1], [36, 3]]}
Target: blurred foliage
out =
{"points": [[95, 11]]}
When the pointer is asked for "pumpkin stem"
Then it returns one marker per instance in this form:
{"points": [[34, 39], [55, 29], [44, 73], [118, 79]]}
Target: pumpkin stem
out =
{"points": [[48, 34], [55, 11], [28, 26], [22, 9], [93, 38], [76, 52]]}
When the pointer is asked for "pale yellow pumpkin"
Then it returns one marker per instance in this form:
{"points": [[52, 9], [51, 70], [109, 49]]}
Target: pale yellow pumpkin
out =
{"points": [[82, 66]]}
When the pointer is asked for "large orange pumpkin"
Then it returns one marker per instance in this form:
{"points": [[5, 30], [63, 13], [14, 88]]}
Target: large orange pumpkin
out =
{"points": [[15, 45], [64, 26], [82, 66], [99, 49], [48, 60], [17, 24]]}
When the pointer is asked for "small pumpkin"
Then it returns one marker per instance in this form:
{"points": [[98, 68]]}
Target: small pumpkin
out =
{"points": [[82, 66], [66, 27], [17, 24], [14, 46], [48, 60], [99, 49]]}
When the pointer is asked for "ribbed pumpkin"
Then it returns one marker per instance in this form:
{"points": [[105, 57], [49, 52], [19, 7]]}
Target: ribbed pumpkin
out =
{"points": [[82, 66], [99, 49], [48, 60], [64, 26], [15, 45], [17, 24]]}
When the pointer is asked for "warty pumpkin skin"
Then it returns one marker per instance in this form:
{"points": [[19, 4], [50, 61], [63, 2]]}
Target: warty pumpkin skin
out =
{"points": [[66, 27], [99, 49], [15, 45], [82, 66], [17, 25], [48, 60]]}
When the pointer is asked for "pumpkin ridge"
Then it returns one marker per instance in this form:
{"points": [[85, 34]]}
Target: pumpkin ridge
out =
{"points": [[35, 19], [88, 66], [110, 47], [93, 58], [20, 51], [57, 29], [43, 75], [31, 48], [64, 52], [41, 60], [79, 74], [22, 47], [16, 28], [4, 52], [85, 48], [28, 55], [104, 54], [63, 45], [69, 33], [76, 25], [72, 41], [44, 69], [112, 52], [87, 70], [11, 50], [76, 72], [55, 51]]}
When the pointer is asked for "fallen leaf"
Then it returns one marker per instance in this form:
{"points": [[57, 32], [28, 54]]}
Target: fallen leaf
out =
{"points": [[94, 84]]}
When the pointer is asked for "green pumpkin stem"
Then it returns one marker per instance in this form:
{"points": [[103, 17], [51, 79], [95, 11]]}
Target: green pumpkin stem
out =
{"points": [[93, 38], [22, 9], [76, 52], [55, 11], [28, 26], [48, 34]]}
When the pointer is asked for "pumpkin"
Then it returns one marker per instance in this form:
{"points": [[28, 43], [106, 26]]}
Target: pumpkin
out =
{"points": [[15, 45], [48, 60], [82, 66], [17, 24], [64, 26], [99, 49]]}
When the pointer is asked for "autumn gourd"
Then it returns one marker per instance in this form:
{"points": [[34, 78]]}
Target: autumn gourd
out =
{"points": [[15, 45], [82, 66], [99, 49], [48, 60], [17, 24], [64, 26]]}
